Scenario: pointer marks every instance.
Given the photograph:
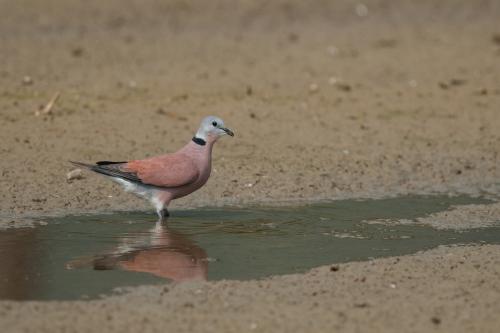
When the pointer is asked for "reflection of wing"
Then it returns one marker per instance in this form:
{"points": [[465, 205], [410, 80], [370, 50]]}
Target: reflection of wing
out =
{"points": [[164, 253], [167, 263]]}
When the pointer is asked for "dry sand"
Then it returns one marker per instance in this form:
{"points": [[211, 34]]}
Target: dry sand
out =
{"points": [[328, 100]]}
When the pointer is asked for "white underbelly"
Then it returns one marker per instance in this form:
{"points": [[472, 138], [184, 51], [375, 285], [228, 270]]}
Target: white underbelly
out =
{"points": [[145, 191]]}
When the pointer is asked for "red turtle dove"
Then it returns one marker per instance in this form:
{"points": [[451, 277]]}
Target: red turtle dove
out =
{"points": [[164, 178]]}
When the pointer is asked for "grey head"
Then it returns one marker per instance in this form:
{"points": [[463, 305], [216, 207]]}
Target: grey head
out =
{"points": [[212, 128]]}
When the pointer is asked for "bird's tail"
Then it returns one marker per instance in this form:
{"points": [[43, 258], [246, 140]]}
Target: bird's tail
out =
{"points": [[111, 169], [81, 164]]}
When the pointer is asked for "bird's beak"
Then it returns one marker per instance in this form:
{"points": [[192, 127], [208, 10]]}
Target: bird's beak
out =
{"points": [[228, 131]]}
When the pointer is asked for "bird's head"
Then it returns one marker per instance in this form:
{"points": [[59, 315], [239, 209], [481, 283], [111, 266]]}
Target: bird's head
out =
{"points": [[212, 128]]}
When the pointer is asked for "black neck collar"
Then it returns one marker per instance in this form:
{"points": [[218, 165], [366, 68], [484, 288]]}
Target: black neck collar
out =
{"points": [[199, 141]]}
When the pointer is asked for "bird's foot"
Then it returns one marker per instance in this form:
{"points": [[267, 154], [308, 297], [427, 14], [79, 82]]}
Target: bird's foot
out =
{"points": [[163, 215]]}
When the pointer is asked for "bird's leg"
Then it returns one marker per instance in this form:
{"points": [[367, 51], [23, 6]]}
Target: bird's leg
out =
{"points": [[161, 200], [163, 215]]}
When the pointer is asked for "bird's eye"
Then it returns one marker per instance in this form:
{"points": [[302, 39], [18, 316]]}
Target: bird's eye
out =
{"points": [[214, 123]]}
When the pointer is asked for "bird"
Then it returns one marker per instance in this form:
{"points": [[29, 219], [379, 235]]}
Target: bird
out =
{"points": [[163, 178]]}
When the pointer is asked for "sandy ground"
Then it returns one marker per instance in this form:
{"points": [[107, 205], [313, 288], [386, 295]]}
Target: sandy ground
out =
{"points": [[328, 99]]}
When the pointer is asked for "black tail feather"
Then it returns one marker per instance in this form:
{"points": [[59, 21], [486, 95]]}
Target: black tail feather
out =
{"points": [[110, 169], [109, 162]]}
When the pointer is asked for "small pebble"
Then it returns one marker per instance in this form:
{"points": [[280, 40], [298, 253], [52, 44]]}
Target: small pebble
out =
{"points": [[313, 87], [74, 174], [361, 305], [77, 52], [332, 80], [457, 82], [496, 39], [27, 80], [332, 50], [293, 37], [483, 92], [344, 87], [361, 10]]}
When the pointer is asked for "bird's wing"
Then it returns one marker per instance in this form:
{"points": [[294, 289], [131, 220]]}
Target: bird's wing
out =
{"points": [[164, 171], [113, 169]]}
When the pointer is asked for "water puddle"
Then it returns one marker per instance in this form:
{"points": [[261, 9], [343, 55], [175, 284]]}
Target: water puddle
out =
{"points": [[81, 257]]}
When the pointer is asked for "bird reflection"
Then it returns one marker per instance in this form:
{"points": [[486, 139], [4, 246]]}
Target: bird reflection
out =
{"points": [[160, 251]]}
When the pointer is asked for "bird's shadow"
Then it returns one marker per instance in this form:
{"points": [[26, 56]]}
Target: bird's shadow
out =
{"points": [[160, 251]]}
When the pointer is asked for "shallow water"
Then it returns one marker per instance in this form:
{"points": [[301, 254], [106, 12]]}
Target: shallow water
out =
{"points": [[86, 256]]}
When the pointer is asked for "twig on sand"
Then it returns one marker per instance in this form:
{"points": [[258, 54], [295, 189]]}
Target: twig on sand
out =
{"points": [[48, 107]]}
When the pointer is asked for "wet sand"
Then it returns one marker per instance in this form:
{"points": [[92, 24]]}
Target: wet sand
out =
{"points": [[461, 217], [328, 101]]}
